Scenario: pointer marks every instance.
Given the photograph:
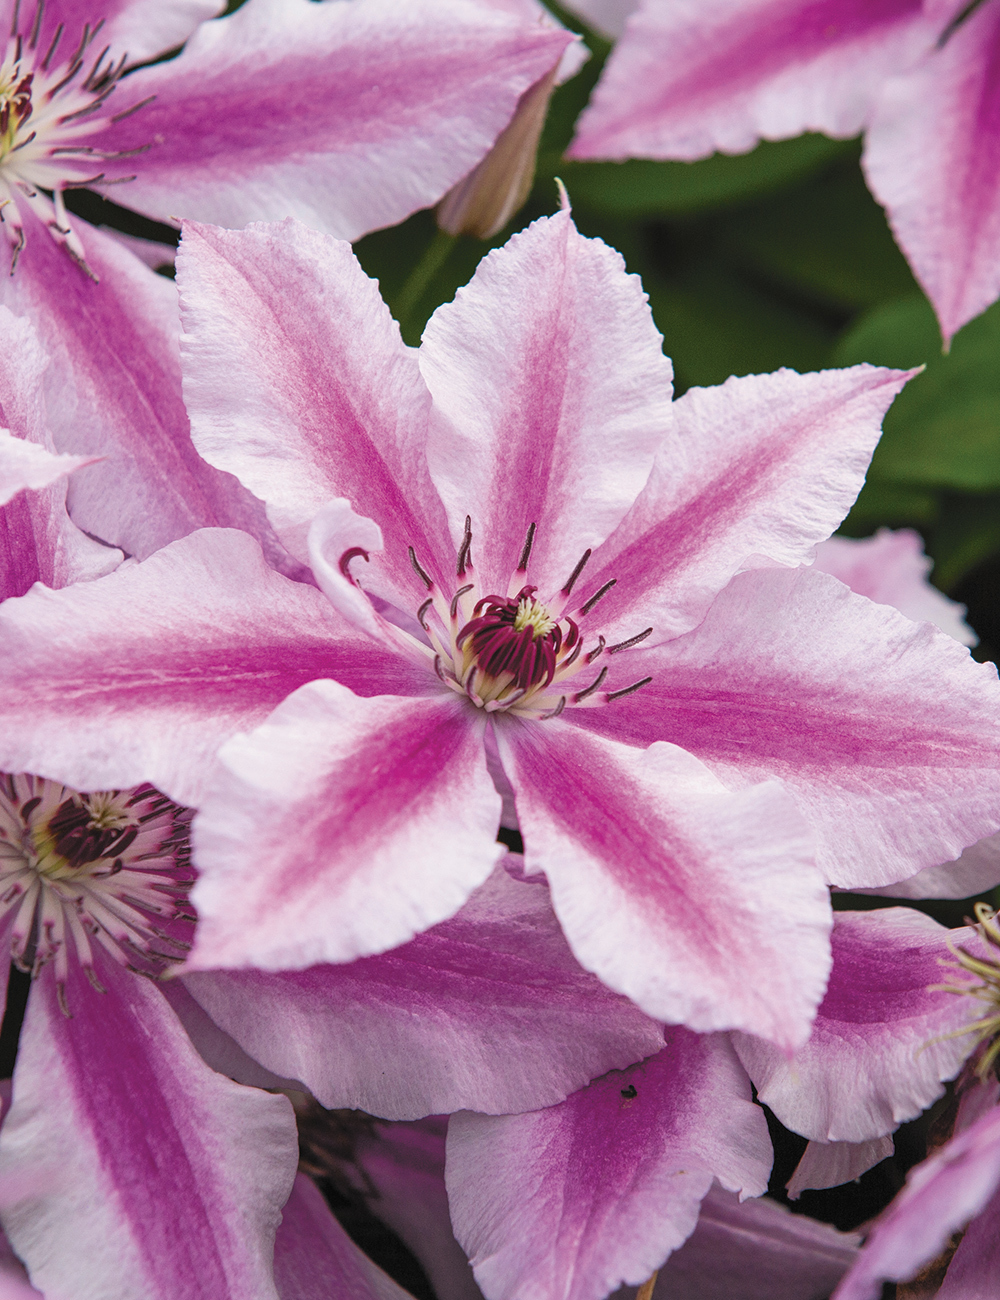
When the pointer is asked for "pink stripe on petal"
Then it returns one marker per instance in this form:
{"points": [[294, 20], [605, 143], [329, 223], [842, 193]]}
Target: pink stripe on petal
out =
{"points": [[580, 1198], [779, 461], [340, 828], [886, 731], [143, 674], [932, 157], [315, 1259], [551, 396], [649, 857], [299, 384], [691, 77], [874, 1058], [346, 116], [487, 1011], [167, 1179]]}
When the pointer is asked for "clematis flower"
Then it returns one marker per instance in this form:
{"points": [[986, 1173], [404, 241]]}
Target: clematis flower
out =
{"points": [[349, 115], [175, 1174], [919, 76], [360, 810]]}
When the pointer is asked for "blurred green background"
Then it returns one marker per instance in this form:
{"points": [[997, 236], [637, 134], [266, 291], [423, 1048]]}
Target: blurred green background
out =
{"points": [[775, 258]]}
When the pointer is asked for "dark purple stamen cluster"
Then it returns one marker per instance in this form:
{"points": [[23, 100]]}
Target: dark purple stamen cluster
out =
{"points": [[530, 658], [18, 105]]}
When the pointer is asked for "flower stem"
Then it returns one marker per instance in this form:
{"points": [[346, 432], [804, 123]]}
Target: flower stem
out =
{"points": [[434, 257], [645, 1292]]}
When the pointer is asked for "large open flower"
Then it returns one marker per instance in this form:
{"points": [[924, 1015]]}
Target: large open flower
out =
{"points": [[349, 115], [552, 547], [921, 77]]}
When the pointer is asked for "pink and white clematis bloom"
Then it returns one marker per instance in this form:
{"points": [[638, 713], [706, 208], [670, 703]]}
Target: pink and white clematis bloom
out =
{"points": [[573, 534], [920, 77], [349, 114]]}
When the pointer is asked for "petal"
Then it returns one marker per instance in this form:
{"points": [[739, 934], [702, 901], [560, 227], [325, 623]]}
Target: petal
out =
{"points": [[167, 1179], [487, 1011], [885, 730], [341, 827], [972, 1272], [755, 472], [40, 543], [650, 860], [688, 78], [143, 674], [932, 157], [755, 1250], [580, 1198], [314, 1257], [891, 568], [551, 394], [307, 394], [605, 16], [113, 389], [881, 1046], [348, 116], [142, 29], [940, 1196], [830, 1164], [26, 465], [975, 871]]}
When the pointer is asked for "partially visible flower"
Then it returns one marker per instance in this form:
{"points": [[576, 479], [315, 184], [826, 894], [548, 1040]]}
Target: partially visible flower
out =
{"points": [[921, 77]]}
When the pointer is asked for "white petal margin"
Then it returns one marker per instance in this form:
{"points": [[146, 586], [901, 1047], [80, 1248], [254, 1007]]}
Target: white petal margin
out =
{"points": [[26, 465], [828, 1164]]}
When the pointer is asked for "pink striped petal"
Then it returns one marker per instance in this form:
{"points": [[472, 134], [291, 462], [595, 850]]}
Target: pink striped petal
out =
{"points": [[24, 464], [143, 674], [341, 827], [348, 116], [315, 1259], [880, 1050], [755, 472], [940, 1196], [167, 1179], [891, 569], [694, 76], [580, 1198], [932, 157], [310, 394], [113, 389], [886, 731], [649, 856], [975, 871], [755, 1250], [487, 1011], [551, 395], [142, 29]]}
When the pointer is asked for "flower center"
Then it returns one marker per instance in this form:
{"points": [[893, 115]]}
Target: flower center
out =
{"points": [[986, 989], [514, 653], [77, 870], [47, 107]]}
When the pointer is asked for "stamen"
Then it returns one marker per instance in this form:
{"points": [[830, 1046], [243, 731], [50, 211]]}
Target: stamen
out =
{"points": [[581, 565], [422, 611], [585, 609], [633, 640], [465, 550], [52, 48], [457, 596], [598, 650], [36, 29], [120, 117], [347, 557], [426, 579], [594, 685], [522, 564], [617, 695]]}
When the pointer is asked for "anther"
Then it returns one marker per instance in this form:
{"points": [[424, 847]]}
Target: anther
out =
{"points": [[464, 551], [633, 640], [616, 695], [597, 650], [346, 559], [52, 47], [558, 709], [120, 117], [581, 564], [39, 15], [425, 577], [423, 610], [522, 563], [457, 596], [594, 686], [585, 609], [439, 668]]}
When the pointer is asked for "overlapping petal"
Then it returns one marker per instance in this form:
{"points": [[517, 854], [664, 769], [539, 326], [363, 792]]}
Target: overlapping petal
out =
{"points": [[932, 157], [580, 1198], [143, 674], [487, 1011], [167, 1179], [690, 77], [26, 465], [829, 1164], [298, 383], [754, 472], [140, 29], [551, 396], [342, 827], [885, 730], [883, 1042], [348, 116], [666, 882]]}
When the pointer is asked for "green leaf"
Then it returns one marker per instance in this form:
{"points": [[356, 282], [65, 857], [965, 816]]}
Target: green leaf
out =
{"points": [[944, 428], [967, 534], [890, 505], [642, 188]]}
